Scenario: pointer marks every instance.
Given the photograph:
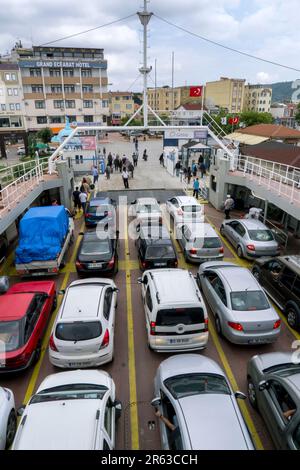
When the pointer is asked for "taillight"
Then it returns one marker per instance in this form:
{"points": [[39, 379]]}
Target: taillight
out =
{"points": [[152, 328], [160, 220], [144, 264], [52, 344], [277, 324], [17, 361], [221, 250], [176, 263], [206, 324], [193, 251], [111, 262], [87, 214], [235, 326], [105, 341], [251, 247]]}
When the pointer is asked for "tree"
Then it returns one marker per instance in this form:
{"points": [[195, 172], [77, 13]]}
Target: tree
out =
{"points": [[45, 135], [134, 122], [250, 118], [297, 115], [31, 145]]}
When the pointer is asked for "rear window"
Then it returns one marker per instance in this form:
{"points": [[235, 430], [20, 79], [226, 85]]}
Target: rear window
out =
{"points": [[147, 208], [160, 251], [207, 243], [249, 300], [98, 209], [99, 247], [187, 385], [261, 235], [174, 316], [10, 335], [191, 208], [78, 331]]}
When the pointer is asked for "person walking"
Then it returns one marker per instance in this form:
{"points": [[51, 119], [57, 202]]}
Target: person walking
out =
{"points": [[131, 169], [76, 200], [85, 187], [189, 174], [125, 177], [177, 168], [95, 174], [161, 159], [196, 186], [134, 158], [136, 144], [83, 199], [109, 159], [202, 169], [145, 156], [194, 169], [116, 163], [107, 171], [228, 206]]}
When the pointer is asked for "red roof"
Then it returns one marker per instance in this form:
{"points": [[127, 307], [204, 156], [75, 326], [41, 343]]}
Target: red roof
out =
{"points": [[14, 306], [272, 131]]}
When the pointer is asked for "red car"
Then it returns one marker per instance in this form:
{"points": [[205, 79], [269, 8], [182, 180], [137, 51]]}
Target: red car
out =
{"points": [[24, 313]]}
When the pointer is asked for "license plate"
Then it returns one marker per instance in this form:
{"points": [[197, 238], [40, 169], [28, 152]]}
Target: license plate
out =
{"points": [[76, 364], [256, 341], [178, 341], [94, 265], [160, 264]]}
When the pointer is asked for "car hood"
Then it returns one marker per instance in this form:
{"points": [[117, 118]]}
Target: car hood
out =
{"points": [[274, 359]]}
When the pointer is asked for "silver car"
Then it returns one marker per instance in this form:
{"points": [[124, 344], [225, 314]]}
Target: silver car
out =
{"points": [[250, 237], [146, 210], [199, 242], [274, 389], [194, 395], [241, 309]]}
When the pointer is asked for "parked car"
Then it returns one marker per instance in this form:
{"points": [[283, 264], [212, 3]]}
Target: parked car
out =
{"points": [[83, 331], [194, 394], [274, 390], [8, 418], [155, 248], [250, 237], [199, 242], [98, 253], [175, 313], [146, 210], [24, 313], [241, 309], [100, 211], [185, 209], [21, 151], [74, 410], [280, 277]]}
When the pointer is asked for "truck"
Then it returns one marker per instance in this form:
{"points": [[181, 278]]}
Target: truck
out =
{"points": [[45, 233]]}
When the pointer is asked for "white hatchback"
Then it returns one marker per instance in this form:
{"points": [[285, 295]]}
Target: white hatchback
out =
{"points": [[83, 332], [185, 209]]}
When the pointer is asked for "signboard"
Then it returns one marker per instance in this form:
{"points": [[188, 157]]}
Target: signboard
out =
{"points": [[179, 134], [86, 124], [201, 134], [82, 143], [62, 63]]}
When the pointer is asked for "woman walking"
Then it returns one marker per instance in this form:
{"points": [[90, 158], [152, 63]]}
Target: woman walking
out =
{"points": [[125, 177]]}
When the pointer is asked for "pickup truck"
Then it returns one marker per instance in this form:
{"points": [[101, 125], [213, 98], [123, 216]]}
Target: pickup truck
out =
{"points": [[36, 255]]}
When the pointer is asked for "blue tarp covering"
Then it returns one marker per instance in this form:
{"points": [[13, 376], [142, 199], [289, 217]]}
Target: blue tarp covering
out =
{"points": [[42, 232]]}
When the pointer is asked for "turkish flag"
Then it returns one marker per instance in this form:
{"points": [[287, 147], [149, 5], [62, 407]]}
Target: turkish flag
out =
{"points": [[196, 91], [234, 120]]}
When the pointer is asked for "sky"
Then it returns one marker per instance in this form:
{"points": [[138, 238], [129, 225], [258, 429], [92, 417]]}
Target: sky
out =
{"points": [[266, 28]]}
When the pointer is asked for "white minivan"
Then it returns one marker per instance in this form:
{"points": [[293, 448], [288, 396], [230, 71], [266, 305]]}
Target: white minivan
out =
{"points": [[176, 316], [83, 332]]}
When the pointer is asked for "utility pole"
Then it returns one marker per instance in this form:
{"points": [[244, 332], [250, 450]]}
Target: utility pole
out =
{"points": [[145, 17]]}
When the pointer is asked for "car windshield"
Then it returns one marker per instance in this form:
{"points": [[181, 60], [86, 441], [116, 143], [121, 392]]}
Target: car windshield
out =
{"points": [[261, 235], [293, 370], [78, 331], [99, 210], [145, 208], [70, 392], [175, 316], [207, 243], [95, 247], [10, 335], [160, 251], [187, 385], [249, 300], [191, 208]]}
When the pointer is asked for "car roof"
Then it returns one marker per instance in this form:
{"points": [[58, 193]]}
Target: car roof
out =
{"points": [[146, 201], [154, 232], [94, 236], [208, 418], [187, 200], [292, 261], [175, 286], [252, 224], [81, 301], [294, 380], [202, 229], [87, 376], [237, 278], [14, 306]]}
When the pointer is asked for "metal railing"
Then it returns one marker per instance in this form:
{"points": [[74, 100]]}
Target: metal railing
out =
{"points": [[13, 172], [282, 179], [215, 127]]}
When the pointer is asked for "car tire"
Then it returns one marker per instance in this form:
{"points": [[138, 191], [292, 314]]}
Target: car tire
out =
{"points": [[11, 428], [37, 353], [54, 305], [256, 273], [293, 317], [218, 326], [222, 232], [240, 252], [252, 393]]}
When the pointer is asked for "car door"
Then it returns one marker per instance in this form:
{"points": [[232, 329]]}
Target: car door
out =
{"points": [[269, 280], [208, 281], [229, 230], [294, 436], [171, 440], [109, 423], [36, 320], [238, 232], [148, 305], [185, 237]]}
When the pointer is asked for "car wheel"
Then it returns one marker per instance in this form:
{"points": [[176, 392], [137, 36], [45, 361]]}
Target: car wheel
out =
{"points": [[293, 317], [11, 428], [218, 326], [240, 252], [222, 231], [37, 353], [252, 393], [54, 305], [256, 273]]}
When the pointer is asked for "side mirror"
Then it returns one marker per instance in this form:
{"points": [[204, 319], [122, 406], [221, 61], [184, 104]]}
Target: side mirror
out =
{"points": [[263, 385], [133, 202], [140, 280], [20, 411], [156, 402], [62, 292], [118, 407], [115, 289], [240, 396]]}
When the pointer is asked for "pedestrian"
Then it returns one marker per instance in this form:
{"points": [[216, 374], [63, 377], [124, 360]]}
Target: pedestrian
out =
{"points": [[95, 174], [161, 159], [117, 162], [104, 151], [202, 169], [136, 144], [185, 174], [131, 169], [76, 200], [200, 159], [120, 165], [85, 187], [134, 158], [107, 171], [228, 206], [196, 186], [177, 168], [109, 159], [125, 177], [189, 174], [145, 156], [83, 199], [194, 169]]}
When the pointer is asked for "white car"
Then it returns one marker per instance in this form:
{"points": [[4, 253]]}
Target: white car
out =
{"points": [[74, 410], [21, 151], [83, 332], [185, 209], [146, 210], [8, 418]]}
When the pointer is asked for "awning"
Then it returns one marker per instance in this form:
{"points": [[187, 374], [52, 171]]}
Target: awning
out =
{"points": [[246, 138], [199, 147]]}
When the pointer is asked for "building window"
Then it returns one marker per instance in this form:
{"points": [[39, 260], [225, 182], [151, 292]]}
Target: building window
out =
{"points": [[35, 72], [4, 122], [13, 77], [58, 104], [70, 103], [56, 119], [3, 107], [88, 118], [128, 106], [41, 119], [78, 54], [7, 76], [56, 89], [87, 88], [86, 72], [54, 72], [117, 107], [87, 103], [69, 89], [105, 103], [117, 98], [68, 72], [37, 88], [12, 106], [16, 92], [39, 104], [18, 106], [9, 91]]}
